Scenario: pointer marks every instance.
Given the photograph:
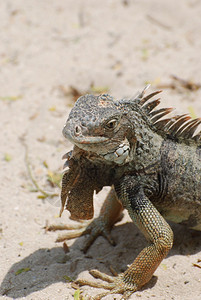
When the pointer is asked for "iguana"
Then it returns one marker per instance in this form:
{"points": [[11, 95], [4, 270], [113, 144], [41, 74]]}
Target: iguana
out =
{"points": [[153, 165]]}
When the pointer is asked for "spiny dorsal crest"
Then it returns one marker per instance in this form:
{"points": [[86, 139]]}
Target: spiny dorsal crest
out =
{"points": [[180, 126]]}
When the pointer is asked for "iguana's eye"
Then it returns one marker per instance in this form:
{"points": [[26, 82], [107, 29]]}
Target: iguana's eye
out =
{"points": [[111, 124]]}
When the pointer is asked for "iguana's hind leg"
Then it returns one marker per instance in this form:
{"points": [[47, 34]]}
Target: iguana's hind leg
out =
{"points": [[110, 213]]}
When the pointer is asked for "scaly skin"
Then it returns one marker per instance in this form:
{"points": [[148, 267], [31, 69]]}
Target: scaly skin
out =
{"points": [[153, 165]]}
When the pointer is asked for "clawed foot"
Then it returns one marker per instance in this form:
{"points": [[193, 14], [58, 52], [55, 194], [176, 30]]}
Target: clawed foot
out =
{"points": [[75, 230], [95, 228], [115, 285]]}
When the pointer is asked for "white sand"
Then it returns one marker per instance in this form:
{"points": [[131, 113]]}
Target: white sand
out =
{"points": [[47, 44]]}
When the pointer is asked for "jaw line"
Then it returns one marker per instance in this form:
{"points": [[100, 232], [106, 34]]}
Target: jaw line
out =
{"points": [[92, 140], [86, 140]]}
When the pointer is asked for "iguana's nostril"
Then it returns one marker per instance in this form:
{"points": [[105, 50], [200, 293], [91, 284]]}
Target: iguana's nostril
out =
{"points": [[77, 130]]}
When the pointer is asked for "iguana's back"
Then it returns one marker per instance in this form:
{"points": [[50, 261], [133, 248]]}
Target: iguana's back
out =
{"points": [[181, 176]]}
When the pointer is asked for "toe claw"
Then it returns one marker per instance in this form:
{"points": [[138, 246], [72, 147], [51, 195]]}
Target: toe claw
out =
{"points": [[100, 275], [126, 295], [100, 296], [82, 282], [55, 227], [89, 242], [109, 238], [70, 235]]}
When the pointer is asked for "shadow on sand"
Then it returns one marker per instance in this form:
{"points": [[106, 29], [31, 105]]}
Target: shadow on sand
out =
{"points": [[47, 266]]}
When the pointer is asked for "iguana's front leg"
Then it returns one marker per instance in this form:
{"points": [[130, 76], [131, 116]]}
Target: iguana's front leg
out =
{"points": [[155, 229], [110, 213], [158, 233]]}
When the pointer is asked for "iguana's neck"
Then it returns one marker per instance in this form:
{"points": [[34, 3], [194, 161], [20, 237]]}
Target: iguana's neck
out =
{"points": [[146, 145]]}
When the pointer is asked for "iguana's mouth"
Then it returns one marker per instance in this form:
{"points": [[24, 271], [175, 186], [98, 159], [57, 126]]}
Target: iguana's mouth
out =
{"points": [[83, 140], [91, 140]]}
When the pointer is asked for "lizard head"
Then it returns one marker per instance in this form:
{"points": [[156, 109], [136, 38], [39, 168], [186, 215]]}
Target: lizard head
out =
{"points": [[118, 130], [97, 124]]}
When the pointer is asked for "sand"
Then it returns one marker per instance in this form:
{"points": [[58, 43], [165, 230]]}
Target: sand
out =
{"points": [[46, 47]]}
